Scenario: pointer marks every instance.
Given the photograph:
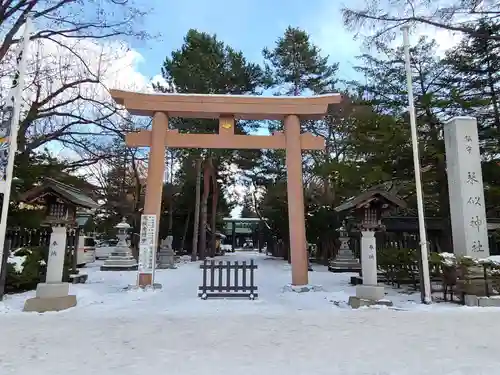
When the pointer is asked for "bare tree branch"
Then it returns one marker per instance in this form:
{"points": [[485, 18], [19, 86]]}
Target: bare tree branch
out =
{"points": [[380, 18]]}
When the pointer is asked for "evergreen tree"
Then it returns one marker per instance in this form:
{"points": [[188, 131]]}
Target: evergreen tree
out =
{"points": [[475, 83], [296, 65]]}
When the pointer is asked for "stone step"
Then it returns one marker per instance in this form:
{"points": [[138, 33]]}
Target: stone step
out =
{"points": [[120, 254], [345, 257], [114, 267], [120, 262], [345, 265], [351, 260]]}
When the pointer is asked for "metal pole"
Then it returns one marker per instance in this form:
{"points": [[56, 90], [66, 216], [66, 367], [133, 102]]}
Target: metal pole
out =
{"points": [[16, 110], [426, 287]]}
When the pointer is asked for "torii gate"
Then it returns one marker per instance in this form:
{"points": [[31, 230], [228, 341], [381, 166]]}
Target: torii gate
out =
{"points": [[227, 108]]}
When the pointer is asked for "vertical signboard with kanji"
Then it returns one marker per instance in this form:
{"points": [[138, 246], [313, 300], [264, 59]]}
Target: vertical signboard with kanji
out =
{"points": [[147, 245]]}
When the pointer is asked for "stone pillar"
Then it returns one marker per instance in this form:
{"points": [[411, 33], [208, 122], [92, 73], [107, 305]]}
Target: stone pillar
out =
{"points": [[465, 185], [295, 197], [369, 257], [154, 182], [53, 295], [57, 252], [369, 293]]}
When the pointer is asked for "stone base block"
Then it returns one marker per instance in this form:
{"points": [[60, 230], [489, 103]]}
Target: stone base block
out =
{"points": [[488, 302], [49, 304], [302, 288], [471, 300], [49, 290], [356, 302], [475, 301], [110, 267], [370, 292]]}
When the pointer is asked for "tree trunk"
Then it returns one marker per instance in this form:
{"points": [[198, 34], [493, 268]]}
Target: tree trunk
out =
{"points": [[215, 198], [196, 211], [202, 245], [184, 234], [170, 215], [171, 197]]}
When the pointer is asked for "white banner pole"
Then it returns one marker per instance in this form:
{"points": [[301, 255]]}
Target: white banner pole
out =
{"points": [[14, 101]]}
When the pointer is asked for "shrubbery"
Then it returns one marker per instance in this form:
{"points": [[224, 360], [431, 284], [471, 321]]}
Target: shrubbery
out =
{"points": [[400, 266], [27, 267]]}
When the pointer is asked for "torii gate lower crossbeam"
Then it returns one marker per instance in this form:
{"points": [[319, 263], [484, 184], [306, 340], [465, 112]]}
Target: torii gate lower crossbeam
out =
{"points": [[228, 108]]}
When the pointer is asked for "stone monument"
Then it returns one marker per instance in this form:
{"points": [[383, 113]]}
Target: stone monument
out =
{"points": [[121, 258], [345, 261], [166, 256], [465, 185]]}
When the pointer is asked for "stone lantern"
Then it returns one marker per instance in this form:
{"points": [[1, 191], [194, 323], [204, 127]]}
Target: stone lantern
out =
{"points": [[368, 209], [121, 258], [345, 261], [61, 203]]}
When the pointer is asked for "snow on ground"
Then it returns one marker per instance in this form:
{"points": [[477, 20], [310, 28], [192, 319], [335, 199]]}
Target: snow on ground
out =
{"points": [[113, 331]]}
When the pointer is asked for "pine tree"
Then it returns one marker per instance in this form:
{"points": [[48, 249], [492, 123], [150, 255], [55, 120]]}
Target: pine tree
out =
{"points": [[296, 65], [474, 77]]}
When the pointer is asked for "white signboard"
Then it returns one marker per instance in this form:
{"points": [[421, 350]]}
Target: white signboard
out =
{"points": [[147, 244]]}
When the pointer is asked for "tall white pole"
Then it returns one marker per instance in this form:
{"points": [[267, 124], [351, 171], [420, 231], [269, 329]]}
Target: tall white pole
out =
{"points": [[16, 98], [426, 290]]}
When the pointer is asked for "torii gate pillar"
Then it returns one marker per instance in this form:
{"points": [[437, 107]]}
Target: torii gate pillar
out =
{"points": [[295, 198], [154, 182]]}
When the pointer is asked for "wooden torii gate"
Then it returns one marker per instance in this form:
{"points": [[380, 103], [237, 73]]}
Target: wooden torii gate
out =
{"points": [[227, 108]]}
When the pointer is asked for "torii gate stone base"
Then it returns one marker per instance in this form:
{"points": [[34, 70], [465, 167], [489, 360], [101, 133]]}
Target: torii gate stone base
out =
{"points": [[227, 108]]}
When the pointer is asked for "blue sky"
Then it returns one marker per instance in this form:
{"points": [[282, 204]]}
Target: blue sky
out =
{"points": [[248, 25]]}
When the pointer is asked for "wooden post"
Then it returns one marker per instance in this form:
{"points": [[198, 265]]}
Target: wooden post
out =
{"points": [[74, 255], [295, 197], [233, 236], [154, 182]]}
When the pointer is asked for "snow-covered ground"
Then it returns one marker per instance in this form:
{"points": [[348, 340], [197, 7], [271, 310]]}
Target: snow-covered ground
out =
{"points": [[113, 331]]}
